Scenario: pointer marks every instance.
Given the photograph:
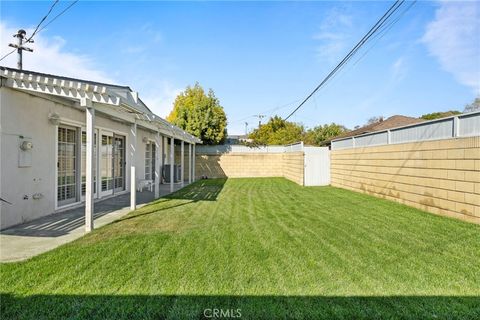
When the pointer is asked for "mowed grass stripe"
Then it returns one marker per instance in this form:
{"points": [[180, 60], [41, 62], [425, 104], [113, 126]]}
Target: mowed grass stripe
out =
{"points": [[267, 246]]}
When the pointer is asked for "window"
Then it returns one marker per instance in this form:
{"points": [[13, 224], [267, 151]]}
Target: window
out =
{"points": [[106, 162], [150, 161], [84, 163], [66, 166]]}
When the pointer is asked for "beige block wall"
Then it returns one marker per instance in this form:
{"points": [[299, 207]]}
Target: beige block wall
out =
{"points": [[243, 165], [441, 176], [293, 166]]}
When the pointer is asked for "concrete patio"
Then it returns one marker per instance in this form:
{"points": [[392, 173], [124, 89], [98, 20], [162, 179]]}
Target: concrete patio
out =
{"points": [[29, 239]]}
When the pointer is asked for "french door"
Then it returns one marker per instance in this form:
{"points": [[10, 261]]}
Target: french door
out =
{"points": [[150, 151], [67, 165], [84, 164], [112, 163], [108, 167], [118, 163]]}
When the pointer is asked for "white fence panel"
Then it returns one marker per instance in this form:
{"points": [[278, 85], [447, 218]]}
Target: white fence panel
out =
{"points": [[463, 125], [469, 125], [220, 149], [294, 147], [373, 139], [442, 129], [317, 166]]}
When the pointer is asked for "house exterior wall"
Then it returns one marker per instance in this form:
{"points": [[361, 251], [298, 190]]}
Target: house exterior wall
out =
{"points": [[441, 177], [26, 115], [243, 165]]}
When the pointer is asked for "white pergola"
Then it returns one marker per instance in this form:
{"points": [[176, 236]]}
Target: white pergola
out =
{"points": [[117, 102]]}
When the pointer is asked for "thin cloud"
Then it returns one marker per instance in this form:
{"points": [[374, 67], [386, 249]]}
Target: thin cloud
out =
{"points": [[334, 35], [50, 56], [160, 98], [399, 69], [452, 38]]}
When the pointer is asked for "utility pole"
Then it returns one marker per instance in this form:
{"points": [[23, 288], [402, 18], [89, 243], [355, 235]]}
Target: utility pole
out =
{"points": [[246, 128], [260, 117], [19, 46]]}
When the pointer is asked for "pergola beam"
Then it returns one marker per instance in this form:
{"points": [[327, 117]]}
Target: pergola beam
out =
{"points": [[97, 93]]}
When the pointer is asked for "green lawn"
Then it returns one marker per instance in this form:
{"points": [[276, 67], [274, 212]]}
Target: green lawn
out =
{"points": [[268, 247]]}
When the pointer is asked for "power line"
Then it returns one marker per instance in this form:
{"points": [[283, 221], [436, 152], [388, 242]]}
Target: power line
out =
{"points": [[268, 111], [42, 20], [354, 50], [21, 33], [6, 55], [38, 29], [365, 38], [384, 31], [378, 36], [58, 15]]}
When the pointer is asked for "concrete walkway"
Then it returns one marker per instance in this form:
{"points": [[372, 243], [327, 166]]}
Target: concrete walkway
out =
{"points": [[40, 235]]}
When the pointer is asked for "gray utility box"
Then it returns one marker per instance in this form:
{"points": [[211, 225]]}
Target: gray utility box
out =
{"points": [[177, 169]]}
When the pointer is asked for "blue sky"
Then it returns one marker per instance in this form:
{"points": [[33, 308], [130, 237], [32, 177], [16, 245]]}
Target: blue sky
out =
{"points": [[263, 57]]}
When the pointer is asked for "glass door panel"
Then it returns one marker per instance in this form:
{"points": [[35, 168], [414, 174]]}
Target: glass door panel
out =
{"points": [[150, 161], [84, 163], [66, 166], [119, 163], [106, 164]]}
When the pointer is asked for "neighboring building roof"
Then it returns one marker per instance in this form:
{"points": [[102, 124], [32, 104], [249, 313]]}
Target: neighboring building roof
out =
{"points": [[237, 136], [237, 139], [389, 123], [70, 88]]}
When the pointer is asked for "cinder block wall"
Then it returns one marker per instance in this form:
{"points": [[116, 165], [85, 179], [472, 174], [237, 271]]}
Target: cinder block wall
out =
{"points": [[293, 166], [242, 165], [441, 176]]}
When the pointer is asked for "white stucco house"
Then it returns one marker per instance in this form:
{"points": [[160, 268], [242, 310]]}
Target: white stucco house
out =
{"points": [[66, 142]]}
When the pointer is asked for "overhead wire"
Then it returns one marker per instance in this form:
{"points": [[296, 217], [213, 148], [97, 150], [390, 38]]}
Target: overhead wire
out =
{"points": [[42, 20], [38, 29], [383, 32], [269, 111], [365, 38], [378, 36], [58, 15], [6, 55]]}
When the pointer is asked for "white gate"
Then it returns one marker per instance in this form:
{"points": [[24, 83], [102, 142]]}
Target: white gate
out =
{"points": [[317, 166]]}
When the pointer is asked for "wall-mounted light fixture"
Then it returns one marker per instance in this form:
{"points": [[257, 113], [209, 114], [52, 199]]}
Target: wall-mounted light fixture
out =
{"points": [[54, 118]]}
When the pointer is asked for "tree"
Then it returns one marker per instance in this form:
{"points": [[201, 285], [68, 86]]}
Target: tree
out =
{"points": [[320, 135], [375, 119], [200, 114], [438, 115], [277, 132], [474, 106]]}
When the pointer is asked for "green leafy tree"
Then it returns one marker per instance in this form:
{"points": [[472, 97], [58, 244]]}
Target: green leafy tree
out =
{"points": [[277, 132], [474, 106], [200, 114], [320, 135], [438, 115]]}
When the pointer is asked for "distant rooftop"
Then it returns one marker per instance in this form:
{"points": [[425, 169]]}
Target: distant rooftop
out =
{"points": [[389, 123]]}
